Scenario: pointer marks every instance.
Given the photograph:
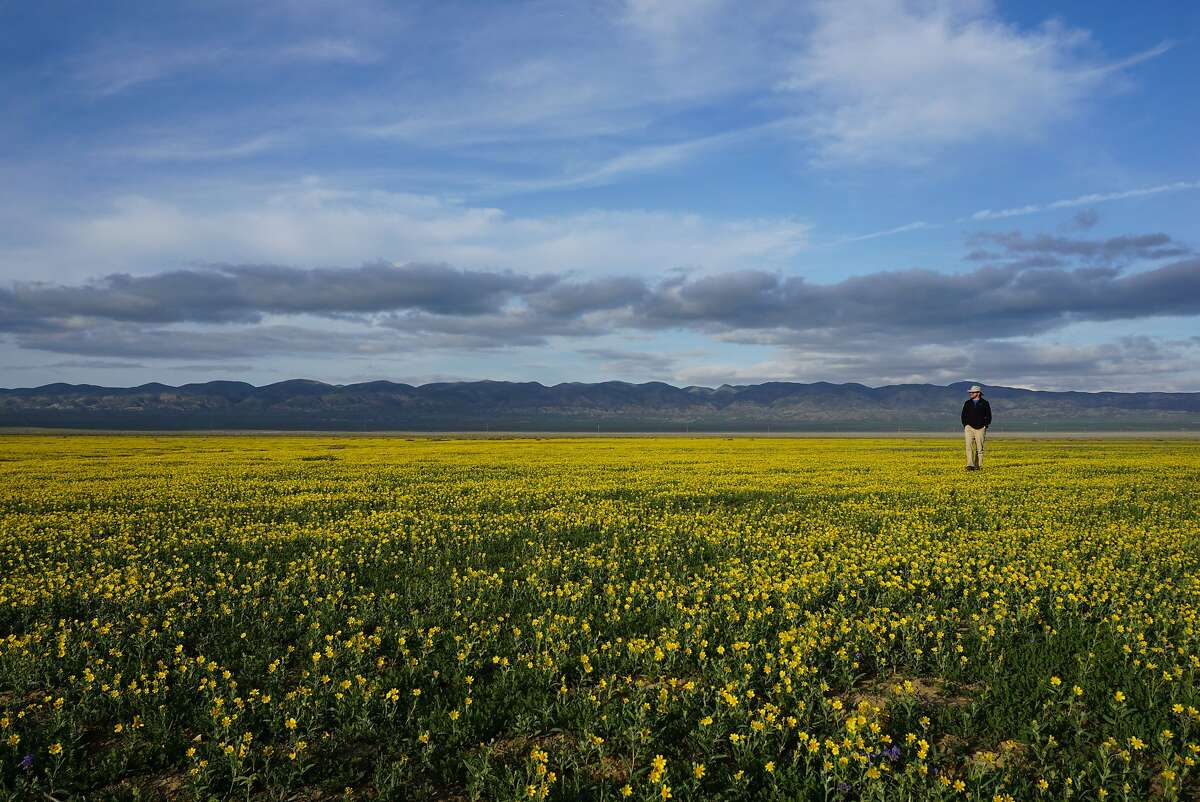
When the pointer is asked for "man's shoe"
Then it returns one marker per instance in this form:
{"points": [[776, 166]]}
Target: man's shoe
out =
{"points": [[971, 468]]}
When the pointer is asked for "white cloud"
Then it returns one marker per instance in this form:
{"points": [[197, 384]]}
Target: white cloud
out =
{"points": [[671, 25], [1130, 364], [311, 223], [714, 374], [897, 80]]}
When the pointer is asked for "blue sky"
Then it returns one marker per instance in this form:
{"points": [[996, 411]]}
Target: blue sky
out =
{"points": [[695, 192]]}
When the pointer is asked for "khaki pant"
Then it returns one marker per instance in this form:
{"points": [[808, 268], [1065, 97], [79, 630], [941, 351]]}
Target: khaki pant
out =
{"points": [[974, 439]]}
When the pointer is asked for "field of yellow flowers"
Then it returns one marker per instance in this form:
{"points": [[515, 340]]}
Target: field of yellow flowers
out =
{"points": [[249, 617]]}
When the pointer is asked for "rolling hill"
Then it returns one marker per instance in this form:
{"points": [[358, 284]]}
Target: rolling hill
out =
{"points": [[301, 404]]}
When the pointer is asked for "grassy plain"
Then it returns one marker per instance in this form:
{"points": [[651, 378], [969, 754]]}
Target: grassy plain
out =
{"points": [[319, 617]]}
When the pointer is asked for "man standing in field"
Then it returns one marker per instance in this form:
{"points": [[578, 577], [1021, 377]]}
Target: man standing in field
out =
{"points": [[976, 417]]}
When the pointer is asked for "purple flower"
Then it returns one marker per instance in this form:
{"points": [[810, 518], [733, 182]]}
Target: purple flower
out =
{"points": [[26, 762], [843, 786], [892, 753]]}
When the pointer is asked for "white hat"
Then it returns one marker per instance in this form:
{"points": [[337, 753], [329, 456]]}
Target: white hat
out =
{"points": [[975, 388]]}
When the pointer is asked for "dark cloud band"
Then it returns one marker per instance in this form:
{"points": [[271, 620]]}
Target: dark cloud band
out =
{"points": [[243, 293], [446, 307]]}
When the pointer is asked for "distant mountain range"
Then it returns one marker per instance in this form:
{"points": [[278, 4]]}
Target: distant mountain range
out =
{"points": [[607, 406]]}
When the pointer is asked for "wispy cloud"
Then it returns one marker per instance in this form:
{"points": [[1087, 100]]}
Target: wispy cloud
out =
{"points": [[111, 69], [1081, 200], [529, 73], [329, 51], [1137, 58], [192, 150], [919, 225], [1083, 221], [636, 160], [115, 68], [644, 76]]}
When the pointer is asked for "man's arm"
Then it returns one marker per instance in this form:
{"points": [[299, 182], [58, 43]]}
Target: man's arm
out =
{"points": [[987, 414], [964, 414]]}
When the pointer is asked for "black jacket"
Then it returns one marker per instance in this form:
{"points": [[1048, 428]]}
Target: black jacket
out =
{"points": [[978, 415]]}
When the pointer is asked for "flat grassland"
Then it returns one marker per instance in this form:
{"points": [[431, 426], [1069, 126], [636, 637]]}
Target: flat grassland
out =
{"points": [[322, 617]]}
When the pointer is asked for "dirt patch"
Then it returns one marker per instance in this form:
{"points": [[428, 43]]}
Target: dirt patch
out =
{"points": [[562, 748], [167, 785], [519, 746], [1006, 754], [952, 744], [15, 701], [961, 757], [609, 769], [884, 692]]}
